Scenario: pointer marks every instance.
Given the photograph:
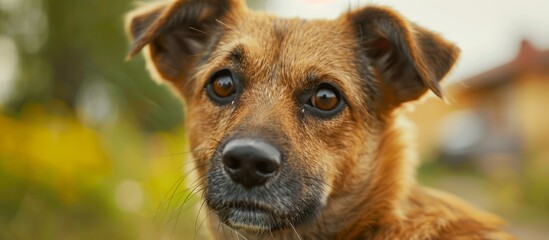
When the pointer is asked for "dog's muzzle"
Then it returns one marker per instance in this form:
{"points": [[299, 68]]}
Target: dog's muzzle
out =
{"points": [[251, 186]]}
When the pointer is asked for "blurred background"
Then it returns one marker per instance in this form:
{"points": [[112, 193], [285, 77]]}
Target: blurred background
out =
{"points": [[91, 148]]}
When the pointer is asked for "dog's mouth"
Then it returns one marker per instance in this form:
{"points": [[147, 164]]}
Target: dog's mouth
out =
{"points": [[250, 216]]}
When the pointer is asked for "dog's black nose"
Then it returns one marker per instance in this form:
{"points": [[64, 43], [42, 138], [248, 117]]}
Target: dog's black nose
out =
{"points": [[250, 162]]}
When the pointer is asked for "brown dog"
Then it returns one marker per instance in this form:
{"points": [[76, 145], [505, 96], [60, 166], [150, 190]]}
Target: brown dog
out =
{"points": [[294, 123]]}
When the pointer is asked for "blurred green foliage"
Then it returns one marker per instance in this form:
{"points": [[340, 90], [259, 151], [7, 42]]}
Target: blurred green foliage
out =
{"points": [[62, 180], [78, 42], [67, 169]]}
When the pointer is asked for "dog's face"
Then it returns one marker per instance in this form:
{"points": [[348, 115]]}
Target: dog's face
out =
{"points": [[275, 114], [281, 112]]}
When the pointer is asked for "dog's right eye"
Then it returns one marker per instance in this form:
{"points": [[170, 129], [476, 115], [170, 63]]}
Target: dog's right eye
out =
{"points": [[221, 87]]}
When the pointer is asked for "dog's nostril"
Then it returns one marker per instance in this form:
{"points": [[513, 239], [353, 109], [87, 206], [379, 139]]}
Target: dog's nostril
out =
{"points": [[266, 167], [231, 163]]}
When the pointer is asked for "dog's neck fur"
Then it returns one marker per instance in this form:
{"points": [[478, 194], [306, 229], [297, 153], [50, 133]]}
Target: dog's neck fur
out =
{"points": [[368, 201]]}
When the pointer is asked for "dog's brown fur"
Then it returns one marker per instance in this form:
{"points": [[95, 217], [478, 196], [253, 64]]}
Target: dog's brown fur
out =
{"points": [[362, 156]]}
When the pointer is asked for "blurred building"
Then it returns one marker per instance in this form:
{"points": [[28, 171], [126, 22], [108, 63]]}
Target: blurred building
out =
{"points": [[494, 118]]}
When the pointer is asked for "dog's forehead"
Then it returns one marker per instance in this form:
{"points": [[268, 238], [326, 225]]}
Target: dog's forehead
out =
{"points": [[295, 40], [289, 50]]}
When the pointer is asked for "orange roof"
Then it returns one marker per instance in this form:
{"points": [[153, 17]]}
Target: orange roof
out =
{"points": [[528, 59]]}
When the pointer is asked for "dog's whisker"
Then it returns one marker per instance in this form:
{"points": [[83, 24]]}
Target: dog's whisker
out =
{"points": [[295, 231], [195, 190], [218, 230], [179, 184], [198, 215], [173, 193], [367, 224], [271, 233], [225, 25], [200, 31], [164, 197], [179, 210], [197, 182], [189, 190], [239, 234]]}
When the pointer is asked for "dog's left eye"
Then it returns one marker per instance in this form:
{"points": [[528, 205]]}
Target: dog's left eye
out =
{"points": [[222, 87], [325, 101]]}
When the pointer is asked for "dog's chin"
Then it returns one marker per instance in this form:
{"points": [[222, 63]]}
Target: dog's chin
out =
{"points": [[255, 219], [247, 219]]}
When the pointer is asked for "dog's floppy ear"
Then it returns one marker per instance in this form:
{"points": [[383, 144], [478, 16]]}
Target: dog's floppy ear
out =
{"points": [[176, 33], [409, 59]]}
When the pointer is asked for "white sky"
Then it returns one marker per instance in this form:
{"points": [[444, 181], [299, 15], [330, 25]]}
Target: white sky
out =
{"points": [[487, 31]]}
